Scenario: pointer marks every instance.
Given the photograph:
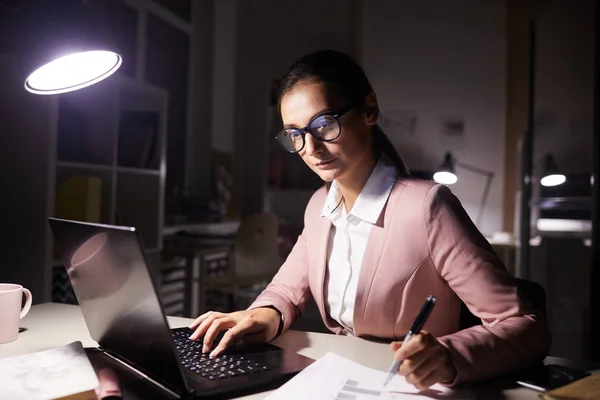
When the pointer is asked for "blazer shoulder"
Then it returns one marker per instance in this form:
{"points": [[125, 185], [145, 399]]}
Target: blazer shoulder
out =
{"points": [[415, 186], [416, 193]]}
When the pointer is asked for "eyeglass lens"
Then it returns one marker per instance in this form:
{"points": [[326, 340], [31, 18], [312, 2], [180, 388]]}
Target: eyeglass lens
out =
{"points": [[324, 127]]}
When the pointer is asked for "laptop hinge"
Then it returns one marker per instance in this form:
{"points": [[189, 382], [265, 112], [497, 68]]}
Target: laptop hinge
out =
{"points": [[144, 376]]}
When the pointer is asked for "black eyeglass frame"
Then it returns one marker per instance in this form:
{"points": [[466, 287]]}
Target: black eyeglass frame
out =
{"points": [[335, 114]]}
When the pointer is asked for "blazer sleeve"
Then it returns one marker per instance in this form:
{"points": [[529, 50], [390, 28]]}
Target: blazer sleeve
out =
{"points": [[289, 290], [513, 333]]}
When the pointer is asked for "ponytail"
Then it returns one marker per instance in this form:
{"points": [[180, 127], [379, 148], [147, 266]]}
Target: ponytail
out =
{"points": [[382, 145]]}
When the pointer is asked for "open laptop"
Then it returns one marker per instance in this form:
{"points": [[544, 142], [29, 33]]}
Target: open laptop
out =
{"points": [[111, 278]]}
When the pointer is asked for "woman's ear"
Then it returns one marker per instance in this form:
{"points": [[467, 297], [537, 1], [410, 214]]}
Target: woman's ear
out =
{"points": [[371, 109]]}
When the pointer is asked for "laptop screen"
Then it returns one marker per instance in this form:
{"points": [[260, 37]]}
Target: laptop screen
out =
{"points": [[110, 277]]}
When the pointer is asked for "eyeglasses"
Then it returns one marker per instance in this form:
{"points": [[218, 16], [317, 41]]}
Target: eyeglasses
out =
{"points": [[324, 127]]}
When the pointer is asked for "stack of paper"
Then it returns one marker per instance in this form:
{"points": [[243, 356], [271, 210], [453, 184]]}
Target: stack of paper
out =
{"points": [[51, 374], [337, 378]]}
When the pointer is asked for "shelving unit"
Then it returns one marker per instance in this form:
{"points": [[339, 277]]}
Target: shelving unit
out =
{"points": [[48, 139], [116, 131], [92, 138]]}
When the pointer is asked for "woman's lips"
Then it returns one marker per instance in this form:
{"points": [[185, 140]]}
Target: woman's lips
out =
{"points": [[325, 164]]}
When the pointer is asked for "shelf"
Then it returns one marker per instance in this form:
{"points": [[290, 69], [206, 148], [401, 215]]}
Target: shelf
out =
{"points": [[142, 171], [208, 228], [99, 167], [564, 226], [83, 193], [83, 166], [562, 203]]}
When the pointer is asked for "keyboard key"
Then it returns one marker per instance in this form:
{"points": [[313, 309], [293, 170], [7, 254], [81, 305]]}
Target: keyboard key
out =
{"points": [[223, 367]]}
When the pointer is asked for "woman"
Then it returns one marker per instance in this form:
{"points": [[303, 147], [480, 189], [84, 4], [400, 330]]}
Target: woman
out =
{"points": [[377, 242]]}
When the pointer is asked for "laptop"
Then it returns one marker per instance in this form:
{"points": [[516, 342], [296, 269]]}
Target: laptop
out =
{"points": [[113, 284]]}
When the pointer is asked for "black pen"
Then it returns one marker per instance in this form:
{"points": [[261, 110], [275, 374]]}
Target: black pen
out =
{"points": [[416, 327]]}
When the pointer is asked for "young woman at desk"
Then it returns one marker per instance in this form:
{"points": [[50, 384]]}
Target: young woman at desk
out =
{"points": [[377, 242]]}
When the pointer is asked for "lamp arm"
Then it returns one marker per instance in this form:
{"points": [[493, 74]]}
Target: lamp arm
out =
{"points": [[484, 197], [489, 176], [474, 169]]}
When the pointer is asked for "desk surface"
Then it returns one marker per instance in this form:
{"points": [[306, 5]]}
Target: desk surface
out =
{"points": [[50, 325]]}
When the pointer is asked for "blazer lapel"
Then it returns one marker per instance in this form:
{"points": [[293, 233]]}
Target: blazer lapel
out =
{"points": [[371, 258], [325, 230]]}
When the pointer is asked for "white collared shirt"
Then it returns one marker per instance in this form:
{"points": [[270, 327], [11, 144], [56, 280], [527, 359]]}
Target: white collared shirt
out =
{"points": [[348, 240]]}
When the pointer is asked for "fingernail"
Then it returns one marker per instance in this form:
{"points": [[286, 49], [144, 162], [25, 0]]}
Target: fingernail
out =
{"points": [[213, 354], [204, 348]]}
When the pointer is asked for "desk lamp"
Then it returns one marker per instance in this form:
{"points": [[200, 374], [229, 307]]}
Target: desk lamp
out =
{"points": [[59, 46], [446, 175], [551, 174]]}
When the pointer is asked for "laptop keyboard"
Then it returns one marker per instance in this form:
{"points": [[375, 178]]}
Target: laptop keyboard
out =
{"points": [[222, 367]]}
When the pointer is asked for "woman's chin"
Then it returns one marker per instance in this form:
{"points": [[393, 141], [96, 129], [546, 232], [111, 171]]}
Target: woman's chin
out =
{"points": [[328, 175]]}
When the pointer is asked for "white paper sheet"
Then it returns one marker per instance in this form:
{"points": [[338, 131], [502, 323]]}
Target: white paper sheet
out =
{"points": [[337, 378]]}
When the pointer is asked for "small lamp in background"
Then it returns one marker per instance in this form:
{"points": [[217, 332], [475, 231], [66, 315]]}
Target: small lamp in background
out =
{"points": [[551, 175], [59, 46], [446, 175]]}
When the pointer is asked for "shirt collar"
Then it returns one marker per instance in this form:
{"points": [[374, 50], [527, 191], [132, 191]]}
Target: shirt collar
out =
{"points": [[333, 203], [372, 198]]}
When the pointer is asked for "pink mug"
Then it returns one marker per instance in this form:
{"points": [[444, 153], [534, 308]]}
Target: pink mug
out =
{"points": [[11, 296]]}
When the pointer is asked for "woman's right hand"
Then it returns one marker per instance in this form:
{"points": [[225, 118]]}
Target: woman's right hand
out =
{"points": [[258, 325]]}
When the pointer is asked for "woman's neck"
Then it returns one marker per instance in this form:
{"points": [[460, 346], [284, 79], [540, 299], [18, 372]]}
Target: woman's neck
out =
{"points": [[351, 185]]}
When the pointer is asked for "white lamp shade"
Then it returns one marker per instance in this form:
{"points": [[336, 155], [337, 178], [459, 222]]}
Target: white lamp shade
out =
{"points": [[60, 45], [553, 180], [73, 72], [551, 173], [445, 177]]}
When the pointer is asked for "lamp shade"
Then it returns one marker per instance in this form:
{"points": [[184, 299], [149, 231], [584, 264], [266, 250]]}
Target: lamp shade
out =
{"points": [[60, 47], [445, 173], [551, 175]]}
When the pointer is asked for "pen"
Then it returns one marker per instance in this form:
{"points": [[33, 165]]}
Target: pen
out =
{"points": [[416, 327]]}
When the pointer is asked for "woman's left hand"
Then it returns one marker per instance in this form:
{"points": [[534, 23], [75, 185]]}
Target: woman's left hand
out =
{"points": [[426, 361]]}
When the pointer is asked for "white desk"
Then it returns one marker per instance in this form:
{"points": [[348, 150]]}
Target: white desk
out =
{"points": [[50, 325]]}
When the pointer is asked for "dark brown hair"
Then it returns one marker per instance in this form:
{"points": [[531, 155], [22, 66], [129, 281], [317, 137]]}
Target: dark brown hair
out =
{"points": [[341, 73]]}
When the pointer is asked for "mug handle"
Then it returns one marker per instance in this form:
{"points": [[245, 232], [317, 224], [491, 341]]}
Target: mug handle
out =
{"points": [[27, 306]]}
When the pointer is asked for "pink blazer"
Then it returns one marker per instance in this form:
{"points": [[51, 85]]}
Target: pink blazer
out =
{"points": [[424, 243]]}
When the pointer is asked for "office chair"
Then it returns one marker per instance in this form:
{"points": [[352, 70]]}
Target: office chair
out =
{"points": [[532, 290], [254, 260]]}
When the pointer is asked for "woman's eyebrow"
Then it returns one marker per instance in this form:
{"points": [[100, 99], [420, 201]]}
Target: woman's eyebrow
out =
{"points": [[327, 110]]}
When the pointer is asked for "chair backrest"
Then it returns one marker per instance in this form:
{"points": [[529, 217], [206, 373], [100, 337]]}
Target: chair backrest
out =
{"points": [[529, 289], [256, 248], [535, 292]]}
